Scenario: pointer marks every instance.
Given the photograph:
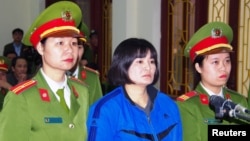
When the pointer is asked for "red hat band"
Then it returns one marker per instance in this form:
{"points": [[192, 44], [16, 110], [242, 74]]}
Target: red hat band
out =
{"points": [[4, 67], [208, 44], [48, 28], [83, 38]]}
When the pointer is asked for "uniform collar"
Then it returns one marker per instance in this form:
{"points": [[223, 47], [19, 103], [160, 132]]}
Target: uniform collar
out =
{"points": [[210, 93], [55, 85], [75, 73]]}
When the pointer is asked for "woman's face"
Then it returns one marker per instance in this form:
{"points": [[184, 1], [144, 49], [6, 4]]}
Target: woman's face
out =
{"points": [[142, 70], [216, 70], [59, 53]]}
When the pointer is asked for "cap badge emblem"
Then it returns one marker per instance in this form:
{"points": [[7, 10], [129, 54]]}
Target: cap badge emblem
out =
{"points": [[216, 33], [66, 15]]}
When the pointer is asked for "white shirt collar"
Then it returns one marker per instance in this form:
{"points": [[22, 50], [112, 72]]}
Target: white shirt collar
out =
{"points": [[75, 73], [55, 85], [210, 93]]}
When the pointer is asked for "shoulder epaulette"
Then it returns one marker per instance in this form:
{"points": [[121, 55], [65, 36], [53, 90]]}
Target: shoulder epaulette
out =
{"points": [[186, 96], [91, 70], [17, 89], [230, 92], [77, 80]]}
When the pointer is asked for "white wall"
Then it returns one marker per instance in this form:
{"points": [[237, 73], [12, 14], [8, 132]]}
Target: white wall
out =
{"points": [[136, 18], [17, 13]]}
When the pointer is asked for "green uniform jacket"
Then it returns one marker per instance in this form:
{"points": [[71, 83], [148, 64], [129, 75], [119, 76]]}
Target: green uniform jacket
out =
{"points": [[196, 113], [92, 80], [31, 112]]}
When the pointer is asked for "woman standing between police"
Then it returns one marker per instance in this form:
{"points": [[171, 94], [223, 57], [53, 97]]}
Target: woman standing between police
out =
{"points": [[135, 110]]}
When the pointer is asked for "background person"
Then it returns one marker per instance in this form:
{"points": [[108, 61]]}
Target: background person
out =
{"points": [[209, 50], [19, 71], [11, 55], [91, 51], [89, 76], [4, 85], [50, 106], [20, 48], [16, 45], [135, 110]]}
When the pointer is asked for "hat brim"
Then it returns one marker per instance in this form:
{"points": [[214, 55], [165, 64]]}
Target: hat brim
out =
{"points": [[4, 69], [217, 50], [64, 33]]}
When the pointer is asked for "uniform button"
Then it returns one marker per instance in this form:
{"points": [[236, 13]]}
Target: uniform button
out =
{"points": [[71, 125]]}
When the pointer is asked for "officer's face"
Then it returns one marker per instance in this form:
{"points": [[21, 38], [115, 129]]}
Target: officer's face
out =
{"points": [[215, 70], [59, 53]]}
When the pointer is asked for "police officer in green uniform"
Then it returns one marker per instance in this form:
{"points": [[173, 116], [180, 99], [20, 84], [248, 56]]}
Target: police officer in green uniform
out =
{"points": [[50, 106], [4, 85], [209, 50], [88, 75]]}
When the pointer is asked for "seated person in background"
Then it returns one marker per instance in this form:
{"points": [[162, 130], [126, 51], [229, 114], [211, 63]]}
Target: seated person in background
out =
{"points": [[209, 50], [11, 55], [19, 71], [4, 85]]}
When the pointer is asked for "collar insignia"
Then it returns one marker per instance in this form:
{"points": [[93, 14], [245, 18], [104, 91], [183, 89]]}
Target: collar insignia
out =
{"points": [[228, 96], [83, 75], [204, 99], [75, 92], [44, 95]]}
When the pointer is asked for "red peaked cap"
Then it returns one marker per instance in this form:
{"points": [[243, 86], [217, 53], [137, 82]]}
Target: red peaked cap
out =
{"points": [[213, 37], [4, 63], [60, 19], [55, 28]]}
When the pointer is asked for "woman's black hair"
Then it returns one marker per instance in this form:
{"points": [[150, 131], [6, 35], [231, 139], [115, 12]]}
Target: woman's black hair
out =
{"points": [[125, 53], [197, 76]]}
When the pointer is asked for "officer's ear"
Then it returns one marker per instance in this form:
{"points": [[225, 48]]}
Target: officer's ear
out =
{"points": [[40, 48], [197, 67]]}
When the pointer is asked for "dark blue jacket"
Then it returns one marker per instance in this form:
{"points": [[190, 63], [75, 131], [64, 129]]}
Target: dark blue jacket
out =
{"points": [[116, 118]]}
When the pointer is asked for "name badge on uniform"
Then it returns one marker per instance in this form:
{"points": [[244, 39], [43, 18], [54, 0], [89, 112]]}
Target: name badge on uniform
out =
{"points": [[53, 120], [212, 121]]}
